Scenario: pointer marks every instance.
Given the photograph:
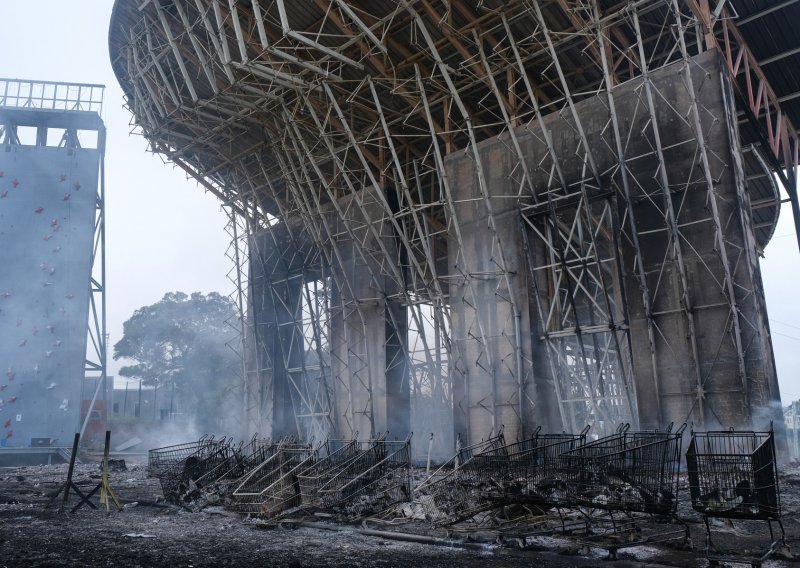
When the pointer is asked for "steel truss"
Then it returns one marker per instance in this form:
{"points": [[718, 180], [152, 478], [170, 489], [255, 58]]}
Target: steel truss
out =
{"points": [[335, 128]]}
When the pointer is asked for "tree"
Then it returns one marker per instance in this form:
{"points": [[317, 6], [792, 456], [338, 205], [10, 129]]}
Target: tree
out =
{"points": [[181, 345]]}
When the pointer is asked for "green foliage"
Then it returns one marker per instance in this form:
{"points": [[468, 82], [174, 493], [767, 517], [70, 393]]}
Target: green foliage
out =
{"points": [[180, 344]]}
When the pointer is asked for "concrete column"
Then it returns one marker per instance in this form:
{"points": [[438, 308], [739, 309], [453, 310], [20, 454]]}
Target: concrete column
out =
{"points": [[488, 300], [368, 328]]}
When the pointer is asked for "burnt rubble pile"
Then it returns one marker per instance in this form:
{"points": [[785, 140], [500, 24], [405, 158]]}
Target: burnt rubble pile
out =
{"points": [[548, 480], [269, 478]]}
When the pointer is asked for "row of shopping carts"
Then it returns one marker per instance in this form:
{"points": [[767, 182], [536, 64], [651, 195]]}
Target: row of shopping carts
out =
{"points": [[267, 478], [730, 474]]}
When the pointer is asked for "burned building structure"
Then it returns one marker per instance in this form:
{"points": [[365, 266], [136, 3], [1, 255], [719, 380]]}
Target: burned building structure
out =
{"points": [[461, 216]]}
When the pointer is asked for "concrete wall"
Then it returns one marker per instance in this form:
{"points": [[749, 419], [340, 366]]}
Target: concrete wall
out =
{"points": [[667, 390]]}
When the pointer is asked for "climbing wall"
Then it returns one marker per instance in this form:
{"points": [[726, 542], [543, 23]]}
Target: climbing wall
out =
{"points": [[47, 214]]}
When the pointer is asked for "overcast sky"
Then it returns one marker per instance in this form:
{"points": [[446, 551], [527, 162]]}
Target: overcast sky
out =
{"points": [[165, 233]]}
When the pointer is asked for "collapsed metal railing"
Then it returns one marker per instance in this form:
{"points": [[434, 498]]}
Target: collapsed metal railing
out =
{"points": [[734, 475]]}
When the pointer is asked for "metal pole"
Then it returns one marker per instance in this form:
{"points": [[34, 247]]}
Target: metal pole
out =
{"points": [[794, 429]]}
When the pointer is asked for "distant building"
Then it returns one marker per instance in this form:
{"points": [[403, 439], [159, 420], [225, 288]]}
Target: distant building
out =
{"points": [[142, 401]]}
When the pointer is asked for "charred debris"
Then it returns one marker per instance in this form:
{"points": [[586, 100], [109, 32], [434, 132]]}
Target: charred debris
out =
{"points": [[619, 491]]}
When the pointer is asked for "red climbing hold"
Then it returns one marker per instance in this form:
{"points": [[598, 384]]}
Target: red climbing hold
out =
{"points": [[77, 185], [66, 197], [12, 399], [9, 433], [69, 296], [62, 177], [7, 423], [14, 183], [38, 210], [4, 194], [5, 294]]}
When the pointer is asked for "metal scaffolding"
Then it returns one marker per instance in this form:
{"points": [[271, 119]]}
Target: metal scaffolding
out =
{"points": [[515, 213]]}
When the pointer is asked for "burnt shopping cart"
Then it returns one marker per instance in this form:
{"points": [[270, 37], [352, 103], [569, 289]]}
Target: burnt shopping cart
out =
{"points": [[177, 467], [361, 479], [626, 471], [460, 488], [734, 475]]}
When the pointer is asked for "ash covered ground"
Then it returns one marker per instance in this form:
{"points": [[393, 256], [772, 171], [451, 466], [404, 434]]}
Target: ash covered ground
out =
{"points": [[148, 533]]}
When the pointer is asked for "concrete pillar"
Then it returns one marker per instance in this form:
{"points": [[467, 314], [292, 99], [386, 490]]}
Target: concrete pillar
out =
{"points": [[493, 382], [368, 327], [702, 368]]}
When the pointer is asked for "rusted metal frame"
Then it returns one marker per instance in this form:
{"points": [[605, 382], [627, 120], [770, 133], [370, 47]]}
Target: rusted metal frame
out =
{"points": [[212, 81], [271, 39], [378, 189], [781, 138], [154, 58], [482, 185], [580, 25], [259, 19], [361, 25], [631, 214], [133, 64], [237, 30], [175, 51], [459, 47], [300, 38], [329, 245], [416, 58], [395, 160], [676, 249], [592, 166], [712, 201], [216, 41], [376, 62]]}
